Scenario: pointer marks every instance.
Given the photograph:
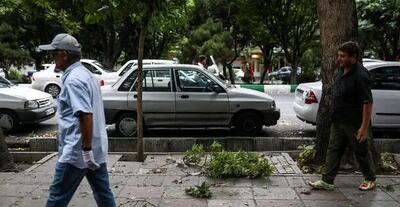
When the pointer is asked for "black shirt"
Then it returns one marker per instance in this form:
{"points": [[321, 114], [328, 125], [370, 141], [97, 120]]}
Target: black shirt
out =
{"points": [[352, 91]]}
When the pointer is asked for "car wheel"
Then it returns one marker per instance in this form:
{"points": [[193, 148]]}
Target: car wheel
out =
{"points": [[53, 90], [8, 121], [126, 125], [248, 124]]}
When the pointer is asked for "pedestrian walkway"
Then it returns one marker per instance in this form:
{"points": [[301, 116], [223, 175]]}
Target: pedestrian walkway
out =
{"points": [[161, 181]]}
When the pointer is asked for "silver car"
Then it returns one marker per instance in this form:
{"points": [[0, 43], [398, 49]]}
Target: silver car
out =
{"points": [[178, 95]]}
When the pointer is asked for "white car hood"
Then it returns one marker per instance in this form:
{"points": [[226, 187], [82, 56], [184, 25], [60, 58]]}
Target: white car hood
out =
{"points": [[23, 93], [248, 93]]}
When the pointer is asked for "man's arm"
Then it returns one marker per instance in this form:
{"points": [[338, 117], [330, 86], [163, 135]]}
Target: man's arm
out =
{"points": [[366, 118], [86, 126]]}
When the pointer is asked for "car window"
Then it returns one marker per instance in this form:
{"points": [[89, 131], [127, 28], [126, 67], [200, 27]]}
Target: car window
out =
{"points": [[190, 80], [105, 69], [128, 82], [156, 80], [91, 68], [386, 78], [126, 69], [4, 82]]}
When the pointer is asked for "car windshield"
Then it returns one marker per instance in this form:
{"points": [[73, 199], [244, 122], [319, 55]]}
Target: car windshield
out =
{"points": [[107, 70], [4, 83]]}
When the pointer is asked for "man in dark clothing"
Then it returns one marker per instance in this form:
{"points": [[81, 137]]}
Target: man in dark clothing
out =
{"points": [[352, 107]]}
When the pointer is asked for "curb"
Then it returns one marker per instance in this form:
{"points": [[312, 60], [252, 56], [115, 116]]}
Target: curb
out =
{"points": [[181, 144], [284, 89]]}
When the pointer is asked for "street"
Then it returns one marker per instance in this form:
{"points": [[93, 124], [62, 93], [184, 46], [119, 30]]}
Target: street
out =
{"points": [[288, 126]]}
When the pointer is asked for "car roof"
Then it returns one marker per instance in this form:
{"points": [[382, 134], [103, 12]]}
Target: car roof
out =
{"points": [[372, 65]]}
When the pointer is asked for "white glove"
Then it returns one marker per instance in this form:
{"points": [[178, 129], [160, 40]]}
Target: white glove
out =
{"points": [[88, 158]]}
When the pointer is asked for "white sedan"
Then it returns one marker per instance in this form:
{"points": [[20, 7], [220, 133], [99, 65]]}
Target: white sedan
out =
{"points": [[385, 92], [49, 80]]}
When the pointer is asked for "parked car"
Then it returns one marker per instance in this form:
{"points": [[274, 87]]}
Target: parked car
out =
{"points": [[385, 91], [283, 72], [178, 95], [132, 63], [49, 80], [21, 105]]}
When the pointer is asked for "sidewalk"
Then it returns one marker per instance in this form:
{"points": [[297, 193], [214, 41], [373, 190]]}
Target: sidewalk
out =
{"points": [[161, 181]]}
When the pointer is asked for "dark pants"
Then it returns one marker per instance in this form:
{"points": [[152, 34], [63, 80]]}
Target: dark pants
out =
{"points": [[341, 136], [67, 179]]}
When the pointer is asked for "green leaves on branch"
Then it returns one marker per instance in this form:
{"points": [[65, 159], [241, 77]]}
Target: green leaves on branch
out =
{"points": [[199, 191], [224, 164]]}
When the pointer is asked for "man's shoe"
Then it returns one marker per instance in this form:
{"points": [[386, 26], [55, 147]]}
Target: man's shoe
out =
{"points": [[321, 185], [367, 185]]}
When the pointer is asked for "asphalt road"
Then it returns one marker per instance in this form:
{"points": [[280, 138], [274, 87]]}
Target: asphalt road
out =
{"points": [[288, 126]]}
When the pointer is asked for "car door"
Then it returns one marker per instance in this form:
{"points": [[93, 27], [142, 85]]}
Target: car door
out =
{"points": [[386, 94], [158, 97], [197, 104]]}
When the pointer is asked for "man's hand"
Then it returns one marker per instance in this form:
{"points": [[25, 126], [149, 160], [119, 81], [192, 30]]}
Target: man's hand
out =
{"points": [[362, 134], [88, 158]]}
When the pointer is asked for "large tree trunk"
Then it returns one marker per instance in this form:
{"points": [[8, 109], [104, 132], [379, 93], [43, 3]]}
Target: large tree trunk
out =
{"points": [[6, 161], [338, 24], [267, 53]]}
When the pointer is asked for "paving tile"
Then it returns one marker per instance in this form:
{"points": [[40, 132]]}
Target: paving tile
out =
{"points": [[274, 193], [40, 191], [348, 182], [6, 176], [175, 193], [8, 200], [376, 204], [186, 181], [231, 203], [279, 203], [183, 203], [357, 195], [141, 192], [31, 202], [296, 182], [79, 202], [231, 193], [127, 202], [16, 189], [320, 203], [154, 180], [271, 181], [125, 168], [136, 180], [320, 195], [29, 178]]}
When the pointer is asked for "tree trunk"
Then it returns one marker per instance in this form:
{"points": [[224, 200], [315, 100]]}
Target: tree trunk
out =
{"points": [[267, 53], [338, 24], [231, 73], [224, 70], [6, 161], [139, 102]]}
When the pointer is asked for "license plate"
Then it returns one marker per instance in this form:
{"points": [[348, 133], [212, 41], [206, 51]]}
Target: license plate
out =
{"points": [[49, 111]]}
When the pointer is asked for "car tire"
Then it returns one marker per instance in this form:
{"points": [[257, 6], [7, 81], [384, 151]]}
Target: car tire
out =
{"points": [[125, 125], [248, 124], [8, 121], [53, 89]]}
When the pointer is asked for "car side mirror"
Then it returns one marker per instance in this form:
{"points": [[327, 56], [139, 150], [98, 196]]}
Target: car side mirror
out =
{"points": [[217, 88]]}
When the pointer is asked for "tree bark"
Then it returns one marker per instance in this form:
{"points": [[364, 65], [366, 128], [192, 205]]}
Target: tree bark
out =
{"points": [[6, 161], [267, 53], [338, 24], [139, 102]]}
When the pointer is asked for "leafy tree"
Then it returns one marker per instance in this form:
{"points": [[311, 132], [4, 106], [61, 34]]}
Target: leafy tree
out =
{"points": [[294, 25], [380, 19]]}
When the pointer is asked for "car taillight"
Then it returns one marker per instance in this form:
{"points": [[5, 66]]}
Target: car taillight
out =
{"points": [[101, 82], [32, 78], [310, 98]]}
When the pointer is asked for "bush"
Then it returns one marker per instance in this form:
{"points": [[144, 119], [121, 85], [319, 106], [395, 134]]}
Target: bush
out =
{"points": [[15, 75], [224, 164]]}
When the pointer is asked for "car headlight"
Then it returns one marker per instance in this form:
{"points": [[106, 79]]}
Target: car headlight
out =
{"points": [[31, 105], [273, 105]]}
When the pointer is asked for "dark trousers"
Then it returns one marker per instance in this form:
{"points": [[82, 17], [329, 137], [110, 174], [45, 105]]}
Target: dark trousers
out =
{"points": [[341, 136]]}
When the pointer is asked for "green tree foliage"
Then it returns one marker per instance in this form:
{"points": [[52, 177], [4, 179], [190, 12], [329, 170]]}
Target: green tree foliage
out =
{"points": [[379, 26]]}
